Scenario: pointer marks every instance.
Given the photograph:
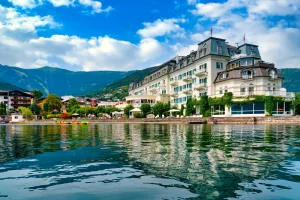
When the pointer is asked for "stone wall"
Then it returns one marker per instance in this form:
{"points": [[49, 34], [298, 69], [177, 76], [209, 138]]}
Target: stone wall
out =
{"points": [[154, 121]]}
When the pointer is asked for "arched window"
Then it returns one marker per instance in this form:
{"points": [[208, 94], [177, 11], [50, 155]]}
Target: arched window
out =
{"points": [[224, 76]]}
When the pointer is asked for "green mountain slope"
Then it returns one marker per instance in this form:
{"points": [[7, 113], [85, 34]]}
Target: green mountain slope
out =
{"points": [[119, 88], [59, 81], [8, 86], [291, 79]]}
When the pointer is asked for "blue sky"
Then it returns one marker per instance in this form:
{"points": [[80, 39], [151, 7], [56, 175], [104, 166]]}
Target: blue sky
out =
{"points": [[125, 35]]}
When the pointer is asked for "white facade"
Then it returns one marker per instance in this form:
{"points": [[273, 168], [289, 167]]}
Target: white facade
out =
{"points": [[215, 68]]}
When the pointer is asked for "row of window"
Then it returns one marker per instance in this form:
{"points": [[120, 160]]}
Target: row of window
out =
{"points": [[181, 99], [154, 85], [180, 88]]}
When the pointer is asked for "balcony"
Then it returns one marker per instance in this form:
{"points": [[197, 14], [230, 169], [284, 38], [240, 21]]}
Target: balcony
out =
{"points": [[20, 99], [174, 94], [247, 77], [153, 90], [187, 78], [174, 83], [187, 91], [201, 72], [200, 86]]}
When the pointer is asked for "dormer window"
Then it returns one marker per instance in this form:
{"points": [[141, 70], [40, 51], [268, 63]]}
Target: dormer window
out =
{"points": [[224, 76], [253, 53], [247, 74], [273, 74], [219, 49]]}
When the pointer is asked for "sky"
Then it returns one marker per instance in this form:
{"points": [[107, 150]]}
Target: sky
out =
{"points": [[123, 35]]}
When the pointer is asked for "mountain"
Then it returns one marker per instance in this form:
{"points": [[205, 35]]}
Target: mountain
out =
{"points": [[8, 86], [119, 88], [291, 79], [59, 81]]}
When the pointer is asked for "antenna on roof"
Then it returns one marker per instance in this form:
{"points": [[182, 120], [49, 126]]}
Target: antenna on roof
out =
{"points": [[244, 38]]}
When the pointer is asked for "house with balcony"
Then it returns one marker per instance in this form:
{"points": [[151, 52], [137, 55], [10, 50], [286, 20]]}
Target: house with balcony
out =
{"points": [[214, 69], [15, 98]]}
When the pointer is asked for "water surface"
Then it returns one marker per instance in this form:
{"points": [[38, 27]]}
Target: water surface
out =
{"points": [[146, 161]]}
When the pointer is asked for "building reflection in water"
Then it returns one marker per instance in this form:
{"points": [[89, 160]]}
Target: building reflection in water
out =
{"points": [[215, 160]]}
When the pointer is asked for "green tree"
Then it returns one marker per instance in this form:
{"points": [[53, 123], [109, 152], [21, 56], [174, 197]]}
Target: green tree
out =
{"points": [[26, 113], [36, 109], [181, 109], [127, 109], [73, 104], [36, 94], [2, 108], [296, 104], [161, 109], [145, 108], [54, 102], [46, 107], [190, 109], [204, 106]]}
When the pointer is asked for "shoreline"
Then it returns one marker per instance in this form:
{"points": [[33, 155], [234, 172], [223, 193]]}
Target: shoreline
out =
{"points": [[190, 120]]}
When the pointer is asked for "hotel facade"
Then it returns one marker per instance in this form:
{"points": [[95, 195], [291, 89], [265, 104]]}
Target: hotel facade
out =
{"points": [[214, 69]]}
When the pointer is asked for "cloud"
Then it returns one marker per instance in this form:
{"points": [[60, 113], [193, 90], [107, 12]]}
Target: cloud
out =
{"points": [[278, 38], [26, 3], [192, 2], [95, 5], [92, 5], [21, 46], [58, 3], [161, 28]]}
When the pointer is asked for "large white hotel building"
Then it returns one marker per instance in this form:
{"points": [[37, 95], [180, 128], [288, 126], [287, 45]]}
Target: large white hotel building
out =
{"points": [[215, 68]]}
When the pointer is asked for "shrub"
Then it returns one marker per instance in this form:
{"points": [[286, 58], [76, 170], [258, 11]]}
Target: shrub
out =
{"points": [[138, 115], [65, 116]]}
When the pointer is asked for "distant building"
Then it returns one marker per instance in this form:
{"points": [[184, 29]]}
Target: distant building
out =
{"points": [[214, 69], [16, 99]]}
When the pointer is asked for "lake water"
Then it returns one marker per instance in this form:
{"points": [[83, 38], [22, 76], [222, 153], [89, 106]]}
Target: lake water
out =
{"points": [[146, 161]]}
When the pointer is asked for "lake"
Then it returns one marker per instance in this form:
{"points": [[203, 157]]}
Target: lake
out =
{"points": [[148, 161]]}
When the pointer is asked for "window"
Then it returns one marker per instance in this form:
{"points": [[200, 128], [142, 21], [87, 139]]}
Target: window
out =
{"points": [[219, 49], [252, 53], [273, 74], [226, 89], [247, 74], [219, 65], [251, 89], [269, 86], [243, 89], [221, 91], [274, 87], [224, 76]]}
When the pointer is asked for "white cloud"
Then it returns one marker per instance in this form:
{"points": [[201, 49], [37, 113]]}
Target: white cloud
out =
{"points": [[192, 2], [278, 40], [21, 46], [93, 5], [58, 3], [161, 28], [26, 3]]}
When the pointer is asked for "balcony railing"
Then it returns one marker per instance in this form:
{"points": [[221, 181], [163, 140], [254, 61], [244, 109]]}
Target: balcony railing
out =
{"points": [[174, 94], [174, 83], [273, 77], [201, 72], [187, 78], [200, 86], [187, 90], [247, 77]]}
